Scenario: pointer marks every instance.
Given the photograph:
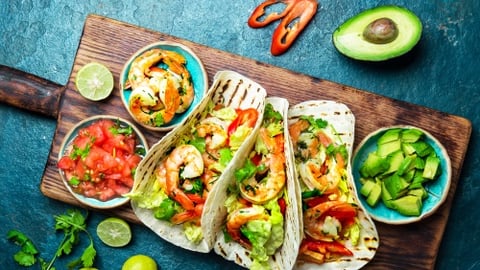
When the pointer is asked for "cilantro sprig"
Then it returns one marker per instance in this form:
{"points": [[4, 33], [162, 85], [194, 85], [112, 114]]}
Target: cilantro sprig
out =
{"points": [[72, 224]]}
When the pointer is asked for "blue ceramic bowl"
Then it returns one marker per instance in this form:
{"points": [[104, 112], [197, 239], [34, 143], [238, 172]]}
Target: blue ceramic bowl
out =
{"points": [[437, 189], [194, 67], [65, 148]]}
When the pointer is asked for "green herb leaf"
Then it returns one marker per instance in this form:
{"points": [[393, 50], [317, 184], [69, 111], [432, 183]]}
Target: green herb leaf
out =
{"points": [[118, 129], [225, 156], [88, 255], [311, 193], [166, 210], [316, 123], [246, 172], [24, 259]]}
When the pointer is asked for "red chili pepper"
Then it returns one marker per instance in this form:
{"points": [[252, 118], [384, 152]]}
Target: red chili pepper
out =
{"points": [[259, 12], [296, 16], [285, 34]]}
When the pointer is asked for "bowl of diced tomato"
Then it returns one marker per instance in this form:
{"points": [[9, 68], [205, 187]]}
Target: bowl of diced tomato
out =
{"points": [[98, 159]]}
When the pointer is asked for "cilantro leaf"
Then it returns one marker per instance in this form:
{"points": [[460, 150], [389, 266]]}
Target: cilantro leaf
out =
{"points": [[24, 259], [316, 123]]}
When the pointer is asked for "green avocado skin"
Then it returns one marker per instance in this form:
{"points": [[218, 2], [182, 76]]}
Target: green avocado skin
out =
{"points": [[348, 38]]}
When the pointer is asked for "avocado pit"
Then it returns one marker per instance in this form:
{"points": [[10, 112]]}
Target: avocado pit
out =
{"points": [[381, 31]]}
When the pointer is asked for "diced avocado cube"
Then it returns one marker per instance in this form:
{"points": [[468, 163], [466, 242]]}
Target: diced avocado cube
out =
{"points": [[387, 148], [408, 176], [386, 197], [374, 195], [367, 187], [396, 186], [422, 148], [419, 164], [408, 163], [408, 149], [418, 180], [408, 205], [395, 160], [420, 192], [389, 135], [431, 167], [411, 135], [373, 165]]}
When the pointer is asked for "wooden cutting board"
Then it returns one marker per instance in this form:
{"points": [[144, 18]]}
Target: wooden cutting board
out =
{"points": [[111, 42]]}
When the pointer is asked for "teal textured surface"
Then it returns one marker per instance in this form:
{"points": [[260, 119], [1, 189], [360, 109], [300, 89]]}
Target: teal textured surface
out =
{"points": [[41, 37]]}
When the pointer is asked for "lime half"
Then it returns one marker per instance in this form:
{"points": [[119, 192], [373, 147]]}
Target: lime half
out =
{"points": [[94, 81], [114, 232]]}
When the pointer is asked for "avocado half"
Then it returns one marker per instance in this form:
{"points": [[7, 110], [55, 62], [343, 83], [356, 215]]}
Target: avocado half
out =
{"points": [[378, 34]]}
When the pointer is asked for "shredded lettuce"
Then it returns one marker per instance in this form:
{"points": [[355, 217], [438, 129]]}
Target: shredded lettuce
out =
{"points": [[274, 129], [226, 113], [266, 236], [193, 232], [232, 203], [239, 136], [258, 232], [153, 198], [225, 156]]}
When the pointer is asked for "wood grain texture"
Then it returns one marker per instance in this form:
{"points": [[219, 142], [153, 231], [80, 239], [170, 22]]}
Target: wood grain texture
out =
{"points": [[111, 42], [17, 89]]}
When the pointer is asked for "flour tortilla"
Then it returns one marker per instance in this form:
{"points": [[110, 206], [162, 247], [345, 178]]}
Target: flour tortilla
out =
{"points": [[285, 257], [343, 120], [232, 90]]}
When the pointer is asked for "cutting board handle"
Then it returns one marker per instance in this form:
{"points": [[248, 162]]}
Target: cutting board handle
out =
{"points": [[27, 91]]}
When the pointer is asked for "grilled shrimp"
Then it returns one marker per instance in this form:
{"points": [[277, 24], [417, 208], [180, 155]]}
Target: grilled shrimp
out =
{"points": [[262, 190], [239, 217], [190, 159]]}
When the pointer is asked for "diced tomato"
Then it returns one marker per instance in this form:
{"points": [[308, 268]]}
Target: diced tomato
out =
{"points": [[106, 162], [66, 163], [133, 160], [80, 169], [96, 133], [82, 142], [106, 127]]}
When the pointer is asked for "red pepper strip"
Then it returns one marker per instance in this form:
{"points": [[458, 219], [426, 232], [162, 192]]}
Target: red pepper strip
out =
{"points": [[324, 247], [254, 20], [284, 34], [247, 117], [283, 205]]}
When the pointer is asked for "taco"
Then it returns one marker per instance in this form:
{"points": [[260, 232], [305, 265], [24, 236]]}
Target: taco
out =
{"points": [[261, 226], [338, 234], [175, 183]]}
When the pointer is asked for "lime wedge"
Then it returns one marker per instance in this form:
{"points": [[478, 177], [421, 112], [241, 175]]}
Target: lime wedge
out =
{"points": [[114, 232], [94, 81]]}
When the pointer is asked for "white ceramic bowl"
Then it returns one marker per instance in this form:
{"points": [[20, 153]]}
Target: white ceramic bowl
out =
{"points": [[66, 147], [437, 189], [194, 66]]}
